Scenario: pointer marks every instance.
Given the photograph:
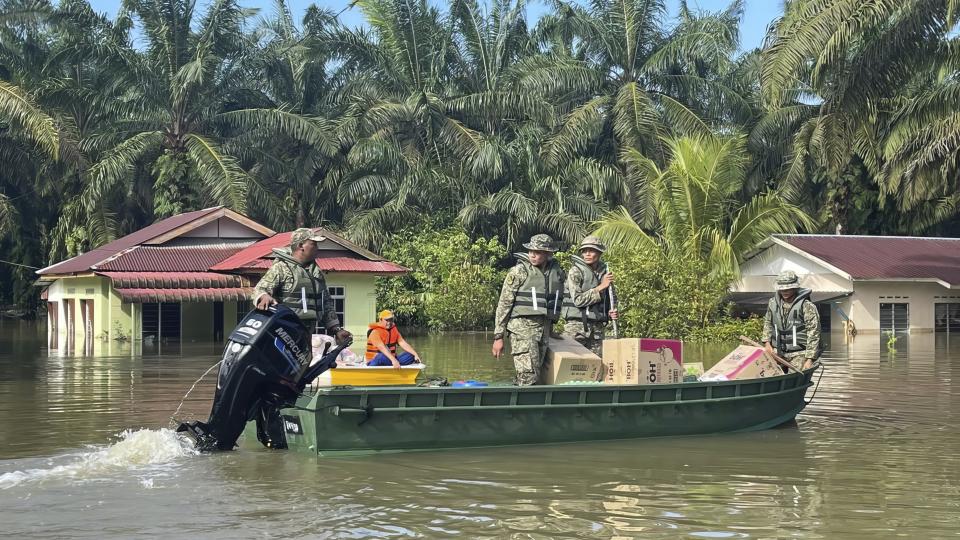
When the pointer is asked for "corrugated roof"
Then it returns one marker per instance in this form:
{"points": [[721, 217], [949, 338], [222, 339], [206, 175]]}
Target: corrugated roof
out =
{"points": [[352, 258], [885, 257], [139, 296], [339, 264], [170, 259], [83, 262], [175, 280]]}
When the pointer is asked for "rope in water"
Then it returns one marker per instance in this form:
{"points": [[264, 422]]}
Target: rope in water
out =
{"points": [[173, 417]]}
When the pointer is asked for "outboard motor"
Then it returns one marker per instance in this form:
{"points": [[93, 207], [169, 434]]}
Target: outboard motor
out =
{"points": [[265, 367]]}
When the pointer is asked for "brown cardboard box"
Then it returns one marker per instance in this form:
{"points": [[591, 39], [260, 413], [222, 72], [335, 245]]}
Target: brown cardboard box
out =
{"points": [[569, 361], [644, 360], [608, 373], [744, 362]]}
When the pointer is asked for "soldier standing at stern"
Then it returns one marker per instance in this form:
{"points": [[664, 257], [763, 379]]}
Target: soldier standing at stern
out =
{"points": [[587, 306], [792, 324], [295, 281], [529, 304]]}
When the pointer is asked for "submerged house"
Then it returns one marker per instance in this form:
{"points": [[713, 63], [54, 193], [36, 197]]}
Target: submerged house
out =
{"points": [[349, 269], [189, 277], [880, 283]]}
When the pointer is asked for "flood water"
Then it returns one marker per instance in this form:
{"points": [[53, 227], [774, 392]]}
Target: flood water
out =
{"points": [[85, 451]]}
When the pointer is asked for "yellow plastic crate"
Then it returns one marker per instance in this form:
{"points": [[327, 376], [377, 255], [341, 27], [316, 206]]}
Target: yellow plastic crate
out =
{"points": [[369, 376]]}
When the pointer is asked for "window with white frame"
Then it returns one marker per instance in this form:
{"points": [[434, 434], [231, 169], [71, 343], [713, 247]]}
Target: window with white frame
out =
{"points": [[339, 297]]}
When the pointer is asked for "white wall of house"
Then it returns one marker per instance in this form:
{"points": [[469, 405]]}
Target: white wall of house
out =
{"points": [[759, 273], [863, 306], [921, 298]]}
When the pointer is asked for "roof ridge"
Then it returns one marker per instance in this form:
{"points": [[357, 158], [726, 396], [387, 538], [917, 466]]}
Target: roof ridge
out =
{"points": [[350, 245]]}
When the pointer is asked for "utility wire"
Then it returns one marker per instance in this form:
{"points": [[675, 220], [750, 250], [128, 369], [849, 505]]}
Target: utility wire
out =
{"points": [[22, 265]]}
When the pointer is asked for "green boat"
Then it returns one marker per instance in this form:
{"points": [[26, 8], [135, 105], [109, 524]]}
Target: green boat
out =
{"points": [[346, 420]]}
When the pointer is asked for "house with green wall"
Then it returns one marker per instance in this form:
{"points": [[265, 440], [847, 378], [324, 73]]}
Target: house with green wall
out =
{"points": [[189, 278]]}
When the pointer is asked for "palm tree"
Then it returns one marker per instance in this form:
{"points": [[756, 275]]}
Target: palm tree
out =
{"points": [[562, 201], [286, 132], [186, 95], [626, 80], [696, 207], [856, 86], [429, 109], [21, 122]]}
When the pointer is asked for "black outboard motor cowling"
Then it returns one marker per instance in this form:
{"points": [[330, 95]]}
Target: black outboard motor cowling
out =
{"points": [[265, 366]]}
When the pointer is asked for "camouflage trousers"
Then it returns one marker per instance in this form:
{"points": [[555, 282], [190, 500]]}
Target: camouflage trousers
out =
{"points": [[590, 335], [796, 359], [528, 345]]}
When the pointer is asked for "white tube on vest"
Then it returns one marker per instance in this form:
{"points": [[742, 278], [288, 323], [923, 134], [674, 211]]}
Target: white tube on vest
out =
{"points": [[794, 336], [556, 301], [533, 296], [303, 298]]}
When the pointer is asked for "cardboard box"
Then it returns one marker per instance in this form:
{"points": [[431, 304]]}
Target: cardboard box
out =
{"points": [[744, 362], [644, 360], [569, 361]]}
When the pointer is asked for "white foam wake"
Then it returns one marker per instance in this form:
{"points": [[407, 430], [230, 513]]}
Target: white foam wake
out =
{"points": [[135, 449]]}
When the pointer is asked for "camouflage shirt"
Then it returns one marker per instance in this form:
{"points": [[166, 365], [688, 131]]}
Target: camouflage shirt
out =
{"points": [[280, 279], [811, 319], [581, 298], [511, 284]]}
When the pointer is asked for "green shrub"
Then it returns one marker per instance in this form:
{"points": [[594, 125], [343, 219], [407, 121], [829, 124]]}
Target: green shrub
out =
{"points": [[673, 297], [454, 282], [729, 329]]}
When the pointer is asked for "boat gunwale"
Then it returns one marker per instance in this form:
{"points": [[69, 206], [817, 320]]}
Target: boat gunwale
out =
{"points": [[343, 390]]}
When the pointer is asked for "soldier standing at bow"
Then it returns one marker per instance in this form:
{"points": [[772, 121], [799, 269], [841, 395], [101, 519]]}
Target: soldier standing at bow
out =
{"points": [[529, 304]]}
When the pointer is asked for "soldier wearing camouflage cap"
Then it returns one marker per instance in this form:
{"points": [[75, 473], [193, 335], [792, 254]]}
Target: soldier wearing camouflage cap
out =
{"points": [[529, 304], [791, 327], [587, 305], [296, 281]]}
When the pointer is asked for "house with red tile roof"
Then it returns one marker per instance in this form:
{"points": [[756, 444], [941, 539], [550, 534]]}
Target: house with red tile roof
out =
{"points": [[881, 283], [350, 272], [190, 277]]}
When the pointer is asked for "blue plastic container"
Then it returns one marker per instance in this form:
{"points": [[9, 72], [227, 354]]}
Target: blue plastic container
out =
{"points": [[468, 384]]}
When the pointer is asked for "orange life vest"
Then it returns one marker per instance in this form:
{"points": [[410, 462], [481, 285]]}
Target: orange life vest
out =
{"points": [[390, 338]]}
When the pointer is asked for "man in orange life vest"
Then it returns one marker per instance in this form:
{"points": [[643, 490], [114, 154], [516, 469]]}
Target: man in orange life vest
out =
{"points": [[382, 340]]}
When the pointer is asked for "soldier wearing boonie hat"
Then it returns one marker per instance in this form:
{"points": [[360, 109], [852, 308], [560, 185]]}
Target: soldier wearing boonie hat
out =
{"points": [[529, 304], [791, 327], [295, 280], [587, 306]]}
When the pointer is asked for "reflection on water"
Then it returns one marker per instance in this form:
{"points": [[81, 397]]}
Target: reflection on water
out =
{"points": [[873, 457]]}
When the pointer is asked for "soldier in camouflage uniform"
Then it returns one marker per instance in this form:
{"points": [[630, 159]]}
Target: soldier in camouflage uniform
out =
{"points": [[587, 306], [295, 281], [792, 324], [529, 304]]}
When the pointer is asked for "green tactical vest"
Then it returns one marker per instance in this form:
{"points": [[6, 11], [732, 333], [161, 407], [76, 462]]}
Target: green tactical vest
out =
{"points": [[790, 331], [306, 284], [542, 293], [599, 312]]}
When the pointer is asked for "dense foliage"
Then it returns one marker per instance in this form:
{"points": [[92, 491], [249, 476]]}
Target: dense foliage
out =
{"points": [[453, 284], [674, 297], [604, 112]]}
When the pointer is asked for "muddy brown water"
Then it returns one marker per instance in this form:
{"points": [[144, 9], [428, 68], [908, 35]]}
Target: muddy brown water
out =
{"points": [[84, 453]]}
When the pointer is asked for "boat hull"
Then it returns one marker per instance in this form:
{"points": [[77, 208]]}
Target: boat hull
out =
{"points": [[348, 420]]}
